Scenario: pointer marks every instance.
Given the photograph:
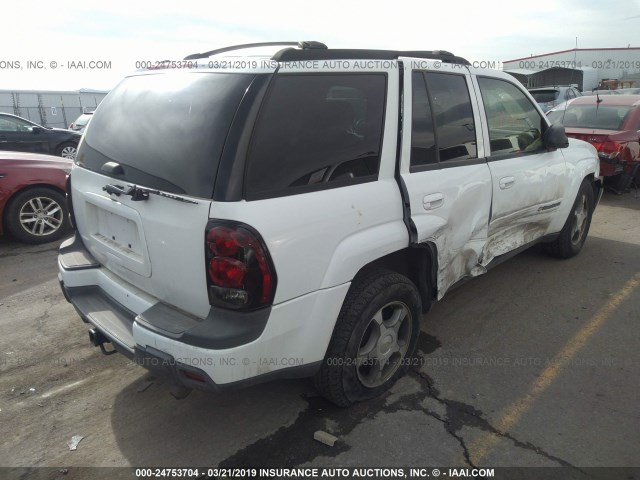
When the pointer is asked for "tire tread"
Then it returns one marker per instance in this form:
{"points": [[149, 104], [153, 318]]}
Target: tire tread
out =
{"points": [[561, 247], [329, 380]]}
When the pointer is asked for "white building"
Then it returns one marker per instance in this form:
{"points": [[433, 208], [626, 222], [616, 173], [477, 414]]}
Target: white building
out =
{"points": [[585, 67], [50, 108]]}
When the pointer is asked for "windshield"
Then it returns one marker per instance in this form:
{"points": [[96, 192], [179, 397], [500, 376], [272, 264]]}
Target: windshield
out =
{"points": [[166, 130], [83, 120], [545, 96], [601, 117]]}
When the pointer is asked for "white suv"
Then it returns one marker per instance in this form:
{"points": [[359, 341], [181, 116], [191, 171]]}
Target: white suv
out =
{"points": [[295, 216]]}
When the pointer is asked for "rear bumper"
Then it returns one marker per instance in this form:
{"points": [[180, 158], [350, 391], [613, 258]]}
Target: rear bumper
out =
{"points": [[226, 349]]}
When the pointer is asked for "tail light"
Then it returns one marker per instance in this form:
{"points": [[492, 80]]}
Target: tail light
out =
{"points": [[609, 150], [240, 273]]}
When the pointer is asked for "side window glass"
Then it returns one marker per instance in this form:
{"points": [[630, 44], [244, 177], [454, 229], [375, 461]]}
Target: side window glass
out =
{"points": [[423, 143], [316, 131], [453, 115], [514, 124], [9, 125]]}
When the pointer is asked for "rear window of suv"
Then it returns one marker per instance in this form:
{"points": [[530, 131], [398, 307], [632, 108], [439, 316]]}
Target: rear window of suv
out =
{"points": [[316, 131], [166, 130]]}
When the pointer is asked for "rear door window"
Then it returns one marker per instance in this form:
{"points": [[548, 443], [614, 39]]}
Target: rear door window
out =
{"points": [[316, 131], [453, 115], [423, 140], [166, 130], [10, 124], [442, 125]]}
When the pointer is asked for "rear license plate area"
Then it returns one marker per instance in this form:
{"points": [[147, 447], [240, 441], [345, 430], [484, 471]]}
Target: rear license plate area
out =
{"points": [[116, 232]]}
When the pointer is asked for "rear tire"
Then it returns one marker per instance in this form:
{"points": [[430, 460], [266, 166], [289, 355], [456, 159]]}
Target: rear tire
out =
{"points": [[67, 150], [574, 233], [37, 215], [375, 335]]}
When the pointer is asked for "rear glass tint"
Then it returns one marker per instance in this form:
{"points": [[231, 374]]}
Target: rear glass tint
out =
{"points": [[317, 131], [545, 96], [591, 116], [167, 130], [453, 115]]}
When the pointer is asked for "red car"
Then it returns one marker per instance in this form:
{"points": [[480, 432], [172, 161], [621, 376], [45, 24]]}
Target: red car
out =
{"points": [[33, 207], [610, 123]]}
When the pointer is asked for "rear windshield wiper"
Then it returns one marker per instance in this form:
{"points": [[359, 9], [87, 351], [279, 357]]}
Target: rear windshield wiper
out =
{"points": [[138, 194]]}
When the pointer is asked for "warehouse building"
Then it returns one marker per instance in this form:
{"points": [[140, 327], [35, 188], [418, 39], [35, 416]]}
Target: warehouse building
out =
{"points": [[585, 67], [50, 108]]}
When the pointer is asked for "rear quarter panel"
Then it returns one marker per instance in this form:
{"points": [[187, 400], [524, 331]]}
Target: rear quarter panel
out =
{"points": [[322, 239]]}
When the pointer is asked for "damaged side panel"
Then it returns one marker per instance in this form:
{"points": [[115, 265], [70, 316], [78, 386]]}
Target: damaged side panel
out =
{"points": [[457, 225], [522, 210]]}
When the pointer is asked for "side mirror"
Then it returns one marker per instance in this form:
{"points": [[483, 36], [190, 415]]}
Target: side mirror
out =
{"points": [[555, 137], [36, 130]]}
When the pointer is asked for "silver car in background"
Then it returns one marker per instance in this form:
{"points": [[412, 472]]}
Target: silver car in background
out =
{"points": [[550, 97]]}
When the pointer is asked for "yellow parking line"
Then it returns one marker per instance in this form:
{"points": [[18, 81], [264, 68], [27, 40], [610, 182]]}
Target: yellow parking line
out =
{"points": [[510, 416]]}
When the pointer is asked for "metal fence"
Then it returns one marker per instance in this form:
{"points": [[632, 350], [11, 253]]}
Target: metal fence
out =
{"points": [[50, 109]]}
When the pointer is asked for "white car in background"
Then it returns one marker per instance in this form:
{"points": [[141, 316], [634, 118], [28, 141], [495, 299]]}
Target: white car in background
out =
{"points": [[81, 122]]}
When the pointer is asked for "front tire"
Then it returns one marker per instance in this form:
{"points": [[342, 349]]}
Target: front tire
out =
{"points": [[574, 233], [37, 215], [374, 338]]}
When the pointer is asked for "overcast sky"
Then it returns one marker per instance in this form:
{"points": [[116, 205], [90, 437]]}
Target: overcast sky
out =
{"points": [[122, 32]]}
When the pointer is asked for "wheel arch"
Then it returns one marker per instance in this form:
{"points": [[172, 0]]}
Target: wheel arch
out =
{"points": [[584, 169], [596, 184], [418, 262]]}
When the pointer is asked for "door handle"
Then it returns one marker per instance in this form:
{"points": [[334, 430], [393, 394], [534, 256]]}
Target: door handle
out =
{"points": [[433, 201], [507, 182]]}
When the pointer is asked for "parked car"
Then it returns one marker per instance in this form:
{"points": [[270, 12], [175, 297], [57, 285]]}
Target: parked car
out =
{"points": [[21, 135], [286, 221], [549, 97], [601, 92], [32, 196], [81, 122], [612, 125]]}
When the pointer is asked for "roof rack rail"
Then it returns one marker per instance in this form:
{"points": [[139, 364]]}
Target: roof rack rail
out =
{"points": [[304, 45], [292, 54]]}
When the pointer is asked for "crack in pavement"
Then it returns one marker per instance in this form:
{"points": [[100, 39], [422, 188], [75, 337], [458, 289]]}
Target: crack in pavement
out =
{"points": [[460, 414], [292, 445], [448, 425]]}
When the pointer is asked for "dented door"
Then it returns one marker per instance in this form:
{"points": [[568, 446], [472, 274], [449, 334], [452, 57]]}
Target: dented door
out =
{"points": [[443, 166], [528, 182]]}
